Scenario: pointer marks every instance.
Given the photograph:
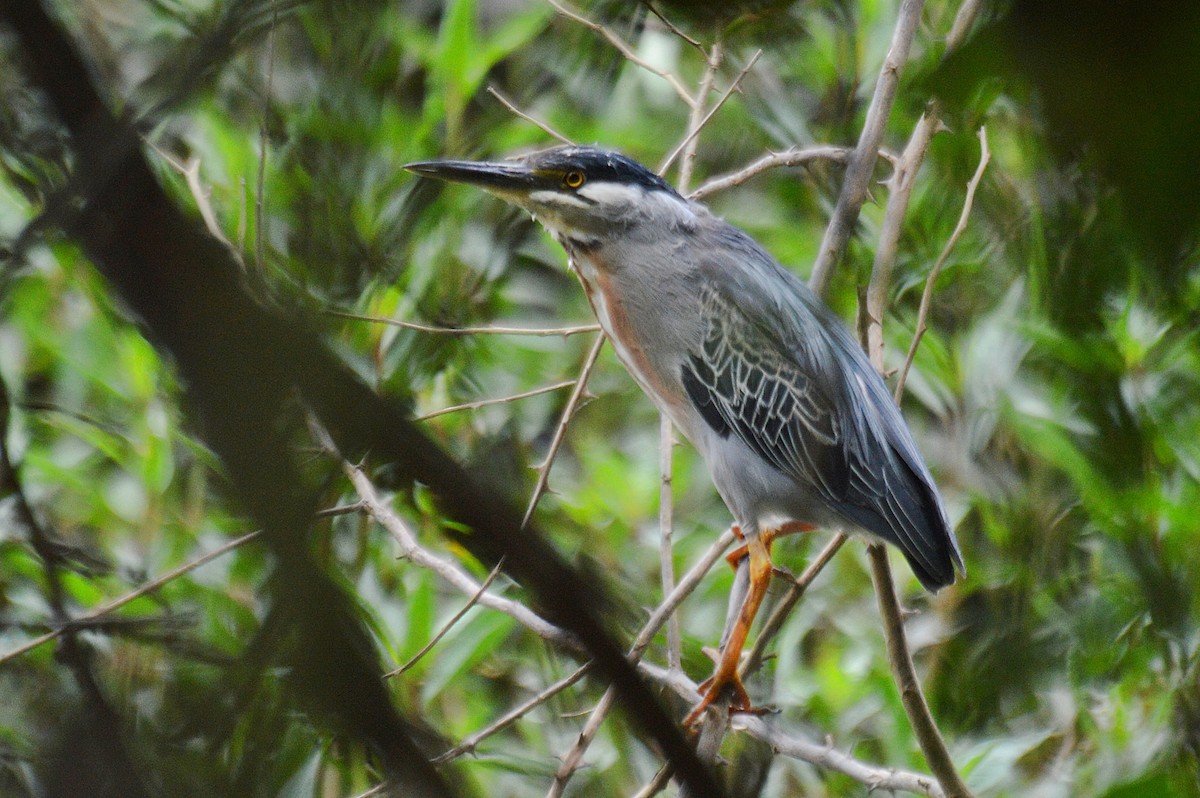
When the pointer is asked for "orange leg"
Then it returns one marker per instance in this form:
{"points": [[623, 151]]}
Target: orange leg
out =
{"points": [[769, 535], [726, 674]]}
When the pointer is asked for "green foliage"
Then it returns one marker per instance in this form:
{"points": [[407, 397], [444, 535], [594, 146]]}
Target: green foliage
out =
{"points": [[1054, 396]]}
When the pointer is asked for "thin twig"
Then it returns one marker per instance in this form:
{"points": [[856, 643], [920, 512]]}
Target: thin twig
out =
{"points": [[904, 178], [145, 589], [696, 119], [445, 568], [560, 431], [471, 602], [927, 295], [625, 50], [671, 26], [963, 20], [657, 784], [716, 107], [574, 757], [877, 779], [191, 176], [543, 126], [795, 156], [486, 330], [470, 743], [503, 400], [855, 184]]}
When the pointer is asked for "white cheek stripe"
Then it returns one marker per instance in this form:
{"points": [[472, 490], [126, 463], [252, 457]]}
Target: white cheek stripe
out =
{"points": [[606, 193], [552, 198]]}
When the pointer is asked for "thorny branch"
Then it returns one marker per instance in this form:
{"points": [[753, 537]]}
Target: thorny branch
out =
{"points": [[503, 400]]}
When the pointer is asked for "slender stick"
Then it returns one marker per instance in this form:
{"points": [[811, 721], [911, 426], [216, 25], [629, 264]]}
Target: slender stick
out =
{"points": [[503, 400], [728, 92], [471, 602], [486, 330], [927, 295], [626, 50], [794, 156], [560, 432], [862, 163], [470, 743], [145, 589], [543, 126], [904, 177], [445, 568]]}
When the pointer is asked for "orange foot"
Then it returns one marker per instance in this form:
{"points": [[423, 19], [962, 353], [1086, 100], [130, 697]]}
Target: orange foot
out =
{"points": [[726, 675]]}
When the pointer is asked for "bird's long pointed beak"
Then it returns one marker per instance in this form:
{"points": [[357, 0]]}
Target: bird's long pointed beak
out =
{"points": [[505, 177]]}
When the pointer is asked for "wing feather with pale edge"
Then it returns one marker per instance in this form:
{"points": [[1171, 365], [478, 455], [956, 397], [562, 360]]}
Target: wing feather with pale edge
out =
{"points": [[774, 382]]}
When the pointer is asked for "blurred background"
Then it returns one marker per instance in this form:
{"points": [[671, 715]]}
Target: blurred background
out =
{"points": [[1054, 394]]}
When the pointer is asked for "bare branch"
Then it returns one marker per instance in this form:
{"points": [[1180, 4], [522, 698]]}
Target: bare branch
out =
{"points": [[904, 177], [927, 295], [470, 743], [692, 134], [795, 156], [574, 757], [826, 756], [543, 126], [145, 589], [625, 50], [447, 569], [671, 26], [471, 602], [712, 62], [905, 674], [503, 400], [856, 183], [560, 431], [796, 746], [657, 784], [488, 330], [191, 175], [962, 23]]}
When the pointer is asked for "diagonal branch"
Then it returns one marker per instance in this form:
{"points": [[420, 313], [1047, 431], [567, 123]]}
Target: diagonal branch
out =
{"points": [[927, 295], [502, 400], [862, 163], [626, 50], [793, 156], [560, 431]]}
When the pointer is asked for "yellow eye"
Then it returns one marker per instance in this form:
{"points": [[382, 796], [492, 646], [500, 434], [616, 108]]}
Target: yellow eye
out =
{"points": [[573, 179]]}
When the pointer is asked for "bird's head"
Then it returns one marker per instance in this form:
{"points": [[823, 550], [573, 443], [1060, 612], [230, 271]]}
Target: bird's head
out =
{"points": [[583, 195]]}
